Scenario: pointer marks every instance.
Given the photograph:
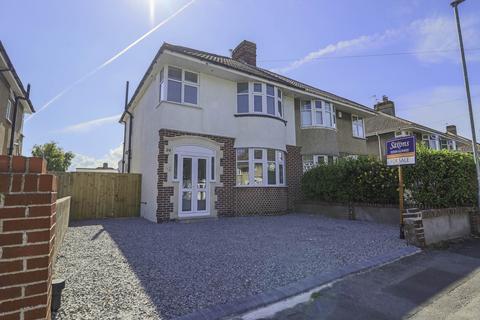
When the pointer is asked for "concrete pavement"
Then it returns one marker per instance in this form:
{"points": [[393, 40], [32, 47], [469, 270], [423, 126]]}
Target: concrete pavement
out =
{"points": [[435, 284]]}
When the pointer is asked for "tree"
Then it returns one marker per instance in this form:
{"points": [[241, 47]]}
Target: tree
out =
{"points": [[57, 158]]}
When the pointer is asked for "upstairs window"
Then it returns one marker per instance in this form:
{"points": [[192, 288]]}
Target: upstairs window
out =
{"points": [[270, 100], [9, 114], [431, 141], [358, 127], [161, 93], [242, 97], [182, 86], [259, 98], [317, 113]]}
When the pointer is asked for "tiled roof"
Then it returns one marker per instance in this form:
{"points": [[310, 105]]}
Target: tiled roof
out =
{"points": [[383, 123], [258, 72]]}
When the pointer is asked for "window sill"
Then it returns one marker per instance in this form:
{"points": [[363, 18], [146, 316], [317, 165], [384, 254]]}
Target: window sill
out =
{"points": [[319, 127], [188, 105], [359, 138], [260, 115], [262, 186]]}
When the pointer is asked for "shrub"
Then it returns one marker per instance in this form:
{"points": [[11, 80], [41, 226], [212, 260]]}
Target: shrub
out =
{"points": [[349, 180], [440, 179]]}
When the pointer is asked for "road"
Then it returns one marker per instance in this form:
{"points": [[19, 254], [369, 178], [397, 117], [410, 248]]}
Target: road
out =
{"points": [[434, 284]]}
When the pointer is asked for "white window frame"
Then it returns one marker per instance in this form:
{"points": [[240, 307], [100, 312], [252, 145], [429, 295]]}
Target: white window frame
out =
{"points": [[183, 83], [326, 109], [432, 141], [356, 120], [451, 145], [9, 114], [310, 164], [403, 133], [279, 161], [162, 87], [278, 98]]}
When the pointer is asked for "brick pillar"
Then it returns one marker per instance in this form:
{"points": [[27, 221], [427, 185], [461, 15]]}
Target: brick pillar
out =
{"points": [[294, 175], [27, 233]]}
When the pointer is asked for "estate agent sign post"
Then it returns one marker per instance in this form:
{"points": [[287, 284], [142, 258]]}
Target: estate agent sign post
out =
{"points": [[401, 152]]}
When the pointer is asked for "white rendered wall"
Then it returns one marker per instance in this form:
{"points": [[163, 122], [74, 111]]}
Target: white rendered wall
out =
{"points": [[214, 115]]}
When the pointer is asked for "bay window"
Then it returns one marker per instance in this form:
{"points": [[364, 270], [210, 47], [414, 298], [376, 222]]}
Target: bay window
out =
{"points": [[317, 113], [260, 167], [181, 86], [358, 127], [242, 167], [259, 98]]}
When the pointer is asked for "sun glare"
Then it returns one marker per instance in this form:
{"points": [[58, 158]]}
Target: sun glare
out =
{"points": [[152, 11]]}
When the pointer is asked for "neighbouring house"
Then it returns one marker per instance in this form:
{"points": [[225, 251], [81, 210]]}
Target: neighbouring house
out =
{"points": [[219, 136], [329, 128], [103, 169], [14, 104], [386, 125]]}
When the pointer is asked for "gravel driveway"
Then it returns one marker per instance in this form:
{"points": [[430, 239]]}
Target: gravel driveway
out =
{"points": [[135, 269]]}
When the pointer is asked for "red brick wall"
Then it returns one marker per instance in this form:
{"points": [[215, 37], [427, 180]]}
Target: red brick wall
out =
{"points": [[224, 194], [27, 233], [232, 201], [294, 176]]}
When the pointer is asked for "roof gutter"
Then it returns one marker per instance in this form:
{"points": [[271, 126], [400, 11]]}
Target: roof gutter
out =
{"points": [[18, 83], [130, 126]]}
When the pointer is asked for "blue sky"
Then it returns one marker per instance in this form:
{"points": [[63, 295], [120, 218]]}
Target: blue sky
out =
{"points": [[54, 43]]}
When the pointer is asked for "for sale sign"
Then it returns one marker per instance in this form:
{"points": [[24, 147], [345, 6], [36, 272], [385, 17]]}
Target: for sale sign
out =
{"points": [[401, 151]]}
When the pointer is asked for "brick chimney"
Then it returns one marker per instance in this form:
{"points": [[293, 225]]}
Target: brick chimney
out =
{"points": [[452, 129], [385, 106], [246, 51]]}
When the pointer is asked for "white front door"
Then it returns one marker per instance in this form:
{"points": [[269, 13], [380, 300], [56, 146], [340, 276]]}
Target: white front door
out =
{"points": [[194, 190]]}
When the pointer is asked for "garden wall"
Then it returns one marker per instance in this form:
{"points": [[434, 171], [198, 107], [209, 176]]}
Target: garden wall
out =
{"points": [[427, 227], [27, 237], [358, 211], [63, 215]]}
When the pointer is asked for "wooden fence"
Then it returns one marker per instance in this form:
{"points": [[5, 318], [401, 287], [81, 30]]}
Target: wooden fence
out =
{"points": [[100, 195]]}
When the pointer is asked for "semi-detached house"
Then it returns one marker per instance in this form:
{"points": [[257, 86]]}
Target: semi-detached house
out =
{"points": [[386, 125], [218, 136]]}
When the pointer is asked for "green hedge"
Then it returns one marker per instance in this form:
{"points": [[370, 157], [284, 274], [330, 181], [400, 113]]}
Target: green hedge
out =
{"points": [[439, 179], [349, 180]]}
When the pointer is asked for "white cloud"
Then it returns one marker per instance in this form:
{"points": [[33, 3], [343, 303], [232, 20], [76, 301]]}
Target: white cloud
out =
{"points": [[440, 33], [435, 38], [362, 42], [86, 126], [84, 161], [438, 106]]}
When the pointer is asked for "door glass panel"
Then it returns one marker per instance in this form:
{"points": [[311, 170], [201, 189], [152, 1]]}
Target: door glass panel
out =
{"points": [[187, 201], [202, 173], [187, 173], [201, 201]]}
